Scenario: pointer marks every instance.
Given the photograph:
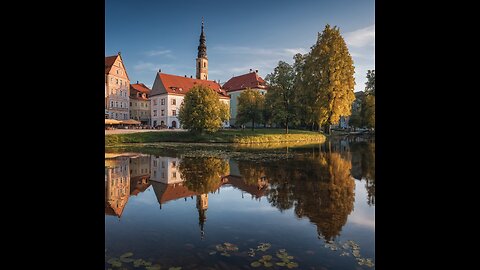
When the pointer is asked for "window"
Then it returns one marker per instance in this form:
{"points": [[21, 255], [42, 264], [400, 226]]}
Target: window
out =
{"points": [[163, 164], [120, 82], [116, 104], [154, 173], [131, 104], [135, 104], [174, 164], [163, 112], [163, 101], [174, 174], [146, 105], [116, 81], [111, 79], [204, 64], [141, 104], [174, 102], [117, 71], [174, 112], [155, 102], [111, 104], [154, 112], [121, 104], [154, 163]]}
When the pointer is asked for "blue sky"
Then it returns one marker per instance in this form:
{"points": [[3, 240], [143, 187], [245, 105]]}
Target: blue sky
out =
{"points": [[241, 35]]}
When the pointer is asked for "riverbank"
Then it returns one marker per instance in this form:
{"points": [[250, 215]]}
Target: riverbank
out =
{"points": [[222, 136]]}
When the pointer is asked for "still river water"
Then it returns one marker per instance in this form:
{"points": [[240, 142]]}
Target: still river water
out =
{"points": [[312, 208]]}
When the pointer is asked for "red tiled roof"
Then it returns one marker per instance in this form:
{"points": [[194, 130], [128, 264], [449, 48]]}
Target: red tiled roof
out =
{"points": [[181, 85], [109, 61], [249, 80], [140, 87]]}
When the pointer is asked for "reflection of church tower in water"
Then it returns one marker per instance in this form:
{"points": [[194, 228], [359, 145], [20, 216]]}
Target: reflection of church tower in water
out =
{"points": [[202, 206]]}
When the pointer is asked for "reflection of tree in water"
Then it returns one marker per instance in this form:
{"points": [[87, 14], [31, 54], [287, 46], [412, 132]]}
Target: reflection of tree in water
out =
{"points": [[319, 186], [253, 174], [363, 154], [203, 175]]}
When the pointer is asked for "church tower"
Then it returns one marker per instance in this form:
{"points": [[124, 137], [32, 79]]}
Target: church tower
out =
{"points": [[202, 60], [202, 206]]}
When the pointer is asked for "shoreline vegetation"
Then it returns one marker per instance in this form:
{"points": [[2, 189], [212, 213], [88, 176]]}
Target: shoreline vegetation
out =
{"points": [[258, 136]]}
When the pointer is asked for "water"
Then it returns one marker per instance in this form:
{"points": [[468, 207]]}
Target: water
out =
{"points": [[176, 210]]}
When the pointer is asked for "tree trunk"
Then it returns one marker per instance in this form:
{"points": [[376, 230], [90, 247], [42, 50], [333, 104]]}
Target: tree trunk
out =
{"points": [[253, 124], [286, 126], [326, 129]]}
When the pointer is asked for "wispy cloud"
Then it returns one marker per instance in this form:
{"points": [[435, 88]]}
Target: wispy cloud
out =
{"points": [[255, 51], [145, 66], [167, 53], [361, 37]]}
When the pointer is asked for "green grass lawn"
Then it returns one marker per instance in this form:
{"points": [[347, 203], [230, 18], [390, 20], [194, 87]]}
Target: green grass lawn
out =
{"points": [[222, 136]]}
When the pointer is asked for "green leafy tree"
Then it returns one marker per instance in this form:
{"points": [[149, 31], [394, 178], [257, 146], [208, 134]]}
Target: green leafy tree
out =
{"points": [[368, 105], [281, 96], [202, 110], [250, 107], [328, 78]]}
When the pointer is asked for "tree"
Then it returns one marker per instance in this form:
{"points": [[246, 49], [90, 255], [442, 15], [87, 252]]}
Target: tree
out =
{"points": [[328, 78], [368, 105], [250, 107], [281, 96], [202, 110], [203, 175]]}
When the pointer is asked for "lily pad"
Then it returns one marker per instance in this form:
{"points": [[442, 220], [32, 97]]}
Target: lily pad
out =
{"points": [[280, 263], [225, 254], [255, 264], [128, 254], [268, 264], [212, 253], [266, 257], [126, 260], [153, 267], [175, 268], [291, 265], [115, 262]]}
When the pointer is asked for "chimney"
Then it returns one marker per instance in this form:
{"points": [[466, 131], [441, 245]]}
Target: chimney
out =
{"points": [[137, 82], [185, 76], [118, 53], [191, 77], [159, 70], [250, 70], [256, 70]]}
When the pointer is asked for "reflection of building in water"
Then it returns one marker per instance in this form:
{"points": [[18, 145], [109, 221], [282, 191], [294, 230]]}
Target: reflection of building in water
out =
{"points": [[139, 174], [165, 170], [199, 177], [117, 185]]}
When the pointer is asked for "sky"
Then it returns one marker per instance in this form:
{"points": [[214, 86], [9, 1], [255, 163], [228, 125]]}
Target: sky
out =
{"points": [[240, 35]]}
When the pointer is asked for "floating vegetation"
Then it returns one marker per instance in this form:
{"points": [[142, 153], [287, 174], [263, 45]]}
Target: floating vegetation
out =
{"points": [[256, 264], [355, 251], [251, 252], [126, 257], [225, 249], [153, 267], [263, 247], [115, 262], [141, 262], [175, 268]]}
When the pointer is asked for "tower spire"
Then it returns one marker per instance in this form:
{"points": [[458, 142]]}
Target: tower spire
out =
{"points": [[202, 48], [202, 59]]}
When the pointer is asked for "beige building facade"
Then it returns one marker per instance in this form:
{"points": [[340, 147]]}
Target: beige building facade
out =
{"points": [[139, 103], [117, 88]]}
